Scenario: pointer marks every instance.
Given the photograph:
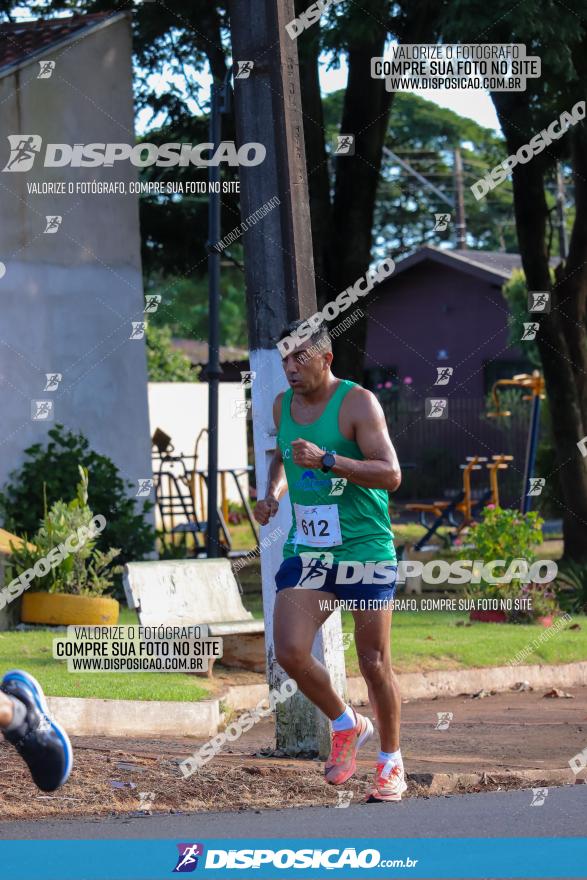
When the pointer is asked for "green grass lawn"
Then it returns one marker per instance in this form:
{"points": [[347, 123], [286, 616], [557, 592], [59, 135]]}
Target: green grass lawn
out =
{"points": [[424, 640], [421, 641], [33, 651]]}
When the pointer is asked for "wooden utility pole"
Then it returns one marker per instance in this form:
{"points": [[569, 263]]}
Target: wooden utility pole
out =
{"points": [[560, 212], [461, 226], [279, 274]]}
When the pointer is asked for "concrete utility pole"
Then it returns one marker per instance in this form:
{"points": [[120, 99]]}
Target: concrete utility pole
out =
{"points": [[279, 272], [461, 225]]}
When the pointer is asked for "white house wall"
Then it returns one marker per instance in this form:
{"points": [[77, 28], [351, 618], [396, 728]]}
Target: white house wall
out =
{"points": [[67, 299]]}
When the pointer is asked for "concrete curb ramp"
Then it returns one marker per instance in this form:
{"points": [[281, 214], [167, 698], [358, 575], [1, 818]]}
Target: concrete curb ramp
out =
{"points": [[453, 783]]}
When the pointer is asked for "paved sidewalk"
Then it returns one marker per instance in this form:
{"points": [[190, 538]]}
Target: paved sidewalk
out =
{"points": [[496, 738]]}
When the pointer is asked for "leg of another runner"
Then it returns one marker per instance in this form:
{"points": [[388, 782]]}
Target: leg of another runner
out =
{"points": [[297, 618], [372, 638], [6, 711]]}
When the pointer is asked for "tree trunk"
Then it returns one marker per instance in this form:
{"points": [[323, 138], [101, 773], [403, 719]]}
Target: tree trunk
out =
{"points": [[561, 339]]}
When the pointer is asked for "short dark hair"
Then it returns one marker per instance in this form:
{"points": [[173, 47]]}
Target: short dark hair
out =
{"points": [[320, 337]]}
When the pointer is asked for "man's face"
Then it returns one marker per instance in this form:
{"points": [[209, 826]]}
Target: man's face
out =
{"points": [[306, 367]]}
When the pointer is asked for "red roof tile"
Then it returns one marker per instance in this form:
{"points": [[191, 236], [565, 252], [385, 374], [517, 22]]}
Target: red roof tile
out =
{"points": [[21, 39]]}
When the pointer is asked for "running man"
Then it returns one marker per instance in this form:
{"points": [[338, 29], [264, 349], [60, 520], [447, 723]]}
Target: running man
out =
{"points": [[25, 723], [337, 429]]}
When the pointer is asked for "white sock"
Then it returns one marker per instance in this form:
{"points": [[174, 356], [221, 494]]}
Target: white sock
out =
{"points": [[18, 713], [390, 759], [345, 721]]}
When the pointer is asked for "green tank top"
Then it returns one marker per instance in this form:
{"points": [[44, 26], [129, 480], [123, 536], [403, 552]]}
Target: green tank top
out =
{"points": [[329, 513]]}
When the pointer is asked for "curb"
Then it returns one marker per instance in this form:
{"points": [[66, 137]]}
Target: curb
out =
{"points": [[143, 718], [444, 682], [452, 683], [458, 783], [135, 718]]}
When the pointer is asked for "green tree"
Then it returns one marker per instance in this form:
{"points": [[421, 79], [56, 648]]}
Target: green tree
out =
{"points": [[165, 363], [559, 36]]}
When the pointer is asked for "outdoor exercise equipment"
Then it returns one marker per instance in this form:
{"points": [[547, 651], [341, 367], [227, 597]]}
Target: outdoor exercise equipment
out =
{"points": [[180, 490], [535, 384], [463, 505]]}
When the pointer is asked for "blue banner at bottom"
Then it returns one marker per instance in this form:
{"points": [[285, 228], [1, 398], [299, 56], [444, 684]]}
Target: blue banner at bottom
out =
{"points": [[284, 858]]}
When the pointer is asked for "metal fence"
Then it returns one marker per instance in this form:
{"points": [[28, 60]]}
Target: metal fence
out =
{"points": [[432, 450]]}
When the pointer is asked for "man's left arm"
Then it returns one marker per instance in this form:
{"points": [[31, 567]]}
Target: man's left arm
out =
{"points": [[380, 469]]}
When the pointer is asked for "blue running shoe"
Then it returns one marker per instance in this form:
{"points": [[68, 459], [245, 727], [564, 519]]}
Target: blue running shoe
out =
{"points": [[39, 740]]}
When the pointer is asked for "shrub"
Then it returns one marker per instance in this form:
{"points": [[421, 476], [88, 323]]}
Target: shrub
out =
{"points": [[85, 570], [51, 473], [508, 534]]}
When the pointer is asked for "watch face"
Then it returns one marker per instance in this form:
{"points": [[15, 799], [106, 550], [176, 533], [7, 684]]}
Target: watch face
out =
{"points": [[328, 460]]}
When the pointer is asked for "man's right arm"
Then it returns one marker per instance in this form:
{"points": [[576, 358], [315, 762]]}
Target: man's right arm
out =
{"points": [[276, 482]]}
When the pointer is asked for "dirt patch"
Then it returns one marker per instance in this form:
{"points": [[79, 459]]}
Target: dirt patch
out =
{"points": [[512, 740]]}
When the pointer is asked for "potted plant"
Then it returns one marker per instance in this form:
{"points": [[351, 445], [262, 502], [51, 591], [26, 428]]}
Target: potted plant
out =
{"points": [[60, 572], [508, 535]]}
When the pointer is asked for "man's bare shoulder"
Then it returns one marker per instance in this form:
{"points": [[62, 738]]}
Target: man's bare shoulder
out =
{"points": [[361, 402], [277, 408]]}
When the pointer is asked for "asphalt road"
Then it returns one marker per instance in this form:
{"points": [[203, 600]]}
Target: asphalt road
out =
{"points": [[490, 814]]}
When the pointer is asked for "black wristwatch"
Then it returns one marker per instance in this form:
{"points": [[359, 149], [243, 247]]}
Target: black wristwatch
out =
{"points": [[328, 462]]}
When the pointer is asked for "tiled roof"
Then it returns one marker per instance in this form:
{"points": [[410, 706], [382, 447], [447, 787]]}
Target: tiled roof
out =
{"points": [[19, 40]]}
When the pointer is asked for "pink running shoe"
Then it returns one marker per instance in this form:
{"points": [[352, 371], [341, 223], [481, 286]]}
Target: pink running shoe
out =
{"points": [[389, 784], [342, 761]]}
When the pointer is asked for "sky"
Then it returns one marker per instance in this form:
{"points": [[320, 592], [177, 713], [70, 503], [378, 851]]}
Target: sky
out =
{"points": [[476, 105]]}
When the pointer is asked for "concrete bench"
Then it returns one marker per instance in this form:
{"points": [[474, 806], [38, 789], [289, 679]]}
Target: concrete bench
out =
{"points": [[188, 592]]}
